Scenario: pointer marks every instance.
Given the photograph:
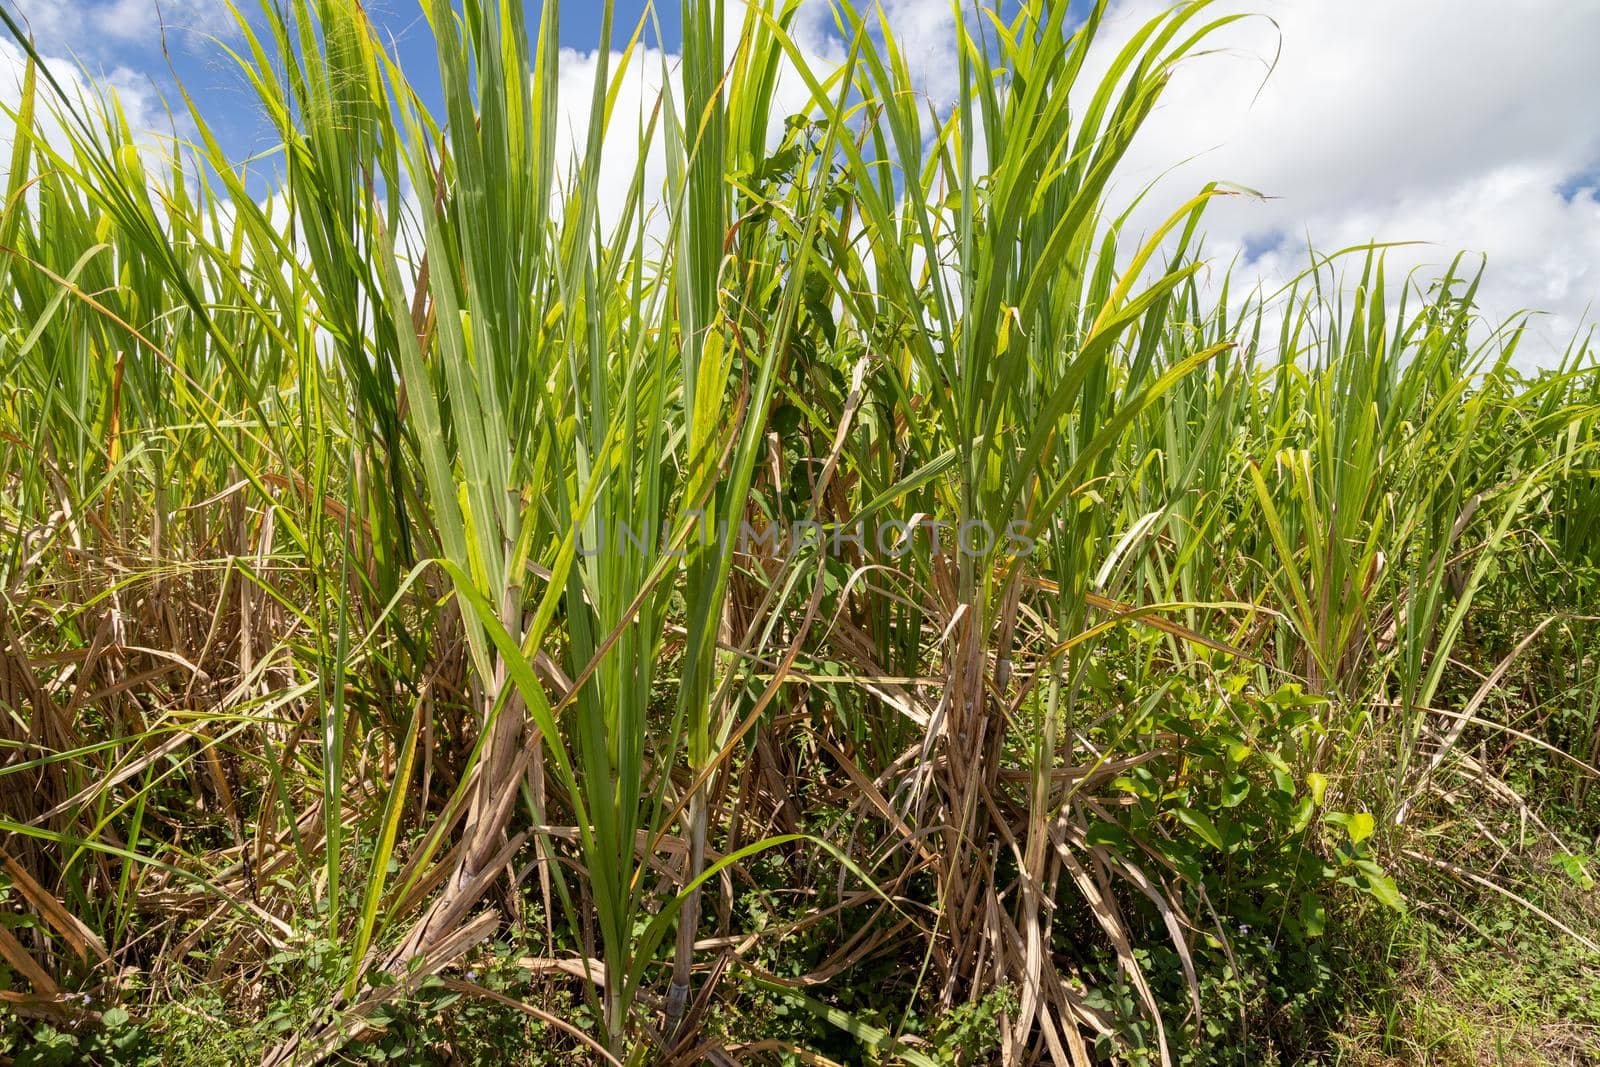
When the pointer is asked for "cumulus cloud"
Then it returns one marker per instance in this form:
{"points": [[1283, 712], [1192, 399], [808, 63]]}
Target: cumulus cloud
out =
{"points": [[140, 103], [650, 73], [92, 26], [1462, 124], [1465, 124], [923, 29]]}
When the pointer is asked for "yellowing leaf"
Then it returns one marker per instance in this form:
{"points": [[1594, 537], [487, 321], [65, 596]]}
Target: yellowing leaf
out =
{"points": [[1318, 784]]}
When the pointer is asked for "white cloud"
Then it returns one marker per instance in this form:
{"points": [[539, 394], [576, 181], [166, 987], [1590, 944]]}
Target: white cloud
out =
{"points": [[1468, 125], [89, 26], [140, 103], [649, 72], [923, 29]]}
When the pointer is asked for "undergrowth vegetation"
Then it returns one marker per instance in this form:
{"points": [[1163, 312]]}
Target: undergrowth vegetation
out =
{"points": [[852, 600]]}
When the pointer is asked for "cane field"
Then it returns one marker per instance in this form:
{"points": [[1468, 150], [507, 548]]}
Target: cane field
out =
{"points": [[783, 575]]}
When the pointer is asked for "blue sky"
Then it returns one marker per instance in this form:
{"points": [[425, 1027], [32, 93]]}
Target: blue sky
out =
{"points": [[120, 40], [1454, 124], [579, 29]]}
